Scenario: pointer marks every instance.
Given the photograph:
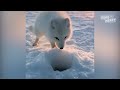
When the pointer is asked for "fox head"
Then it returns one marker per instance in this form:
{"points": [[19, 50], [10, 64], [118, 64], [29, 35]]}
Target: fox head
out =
{"points": [[60, 31]]}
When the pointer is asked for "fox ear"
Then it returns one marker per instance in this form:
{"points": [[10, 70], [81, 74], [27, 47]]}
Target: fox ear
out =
{"points": [[67, 22], [53, 23]]}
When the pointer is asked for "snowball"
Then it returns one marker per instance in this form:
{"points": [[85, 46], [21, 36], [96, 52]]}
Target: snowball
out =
{"points": [[59, 59]]}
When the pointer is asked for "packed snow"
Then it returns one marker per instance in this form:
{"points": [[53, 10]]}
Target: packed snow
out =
{"points": [[76, 59]]}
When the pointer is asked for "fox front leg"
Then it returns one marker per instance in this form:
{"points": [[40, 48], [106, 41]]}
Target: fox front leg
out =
{"points": [[52, 44], [36, 42]]}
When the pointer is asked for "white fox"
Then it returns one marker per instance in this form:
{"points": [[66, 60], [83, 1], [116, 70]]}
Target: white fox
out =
{"points": [[55, 25]]}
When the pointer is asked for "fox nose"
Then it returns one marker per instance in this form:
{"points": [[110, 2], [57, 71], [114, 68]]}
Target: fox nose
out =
{"points": [[61, 48]]}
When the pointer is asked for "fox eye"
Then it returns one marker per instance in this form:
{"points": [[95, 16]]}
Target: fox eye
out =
{"points": [[65, 37], [56, 38]]}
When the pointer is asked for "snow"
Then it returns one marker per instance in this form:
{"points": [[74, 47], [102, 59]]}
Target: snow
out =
{"points": [[76, 59]]}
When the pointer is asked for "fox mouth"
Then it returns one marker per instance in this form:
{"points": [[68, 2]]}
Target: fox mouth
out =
{"points": [[60, 47]]}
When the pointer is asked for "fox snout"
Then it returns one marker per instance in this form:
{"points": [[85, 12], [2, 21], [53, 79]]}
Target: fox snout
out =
{"points": [[61, 47]]}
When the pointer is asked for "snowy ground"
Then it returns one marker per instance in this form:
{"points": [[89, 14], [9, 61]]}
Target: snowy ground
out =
{"points": [[78, 52]]}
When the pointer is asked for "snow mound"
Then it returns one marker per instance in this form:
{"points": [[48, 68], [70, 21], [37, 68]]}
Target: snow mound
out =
{"points": [[59, 59], [74, 63]]}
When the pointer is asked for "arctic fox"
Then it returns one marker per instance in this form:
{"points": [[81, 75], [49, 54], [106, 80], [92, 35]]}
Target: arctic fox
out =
{"points": [[55, 25]]}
